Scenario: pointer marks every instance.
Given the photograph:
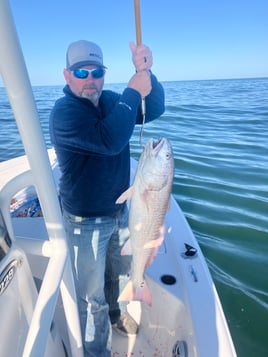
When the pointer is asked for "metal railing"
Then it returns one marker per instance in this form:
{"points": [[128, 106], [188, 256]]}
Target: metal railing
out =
{"points": [[58, 274]]}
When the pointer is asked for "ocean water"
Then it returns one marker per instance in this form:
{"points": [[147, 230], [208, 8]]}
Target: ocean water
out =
{"points": [[219, 133]]}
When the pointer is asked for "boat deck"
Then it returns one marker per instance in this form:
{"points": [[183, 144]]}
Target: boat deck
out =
{"points": [[185, 307], [161, 326]]}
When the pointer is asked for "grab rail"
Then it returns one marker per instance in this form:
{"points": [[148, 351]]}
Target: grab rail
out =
{"points": [[15, 77], [58, 275]]}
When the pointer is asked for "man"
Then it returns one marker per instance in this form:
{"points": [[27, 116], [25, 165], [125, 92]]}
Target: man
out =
{"points": [[90, 129]]}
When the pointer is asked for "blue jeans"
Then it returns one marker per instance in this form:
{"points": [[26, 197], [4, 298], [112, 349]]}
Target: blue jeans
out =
{"points": [[100, 273]]}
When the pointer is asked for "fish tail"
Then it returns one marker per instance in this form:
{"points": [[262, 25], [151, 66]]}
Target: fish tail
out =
{"points": [[142, 293], [127, 293], [137, 293]]}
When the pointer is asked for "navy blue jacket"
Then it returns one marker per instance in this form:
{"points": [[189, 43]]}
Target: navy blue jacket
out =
{"points": [[92, 146]]}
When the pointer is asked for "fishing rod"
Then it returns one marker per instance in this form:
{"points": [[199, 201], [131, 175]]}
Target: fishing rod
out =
{"points": [[139, 42]]}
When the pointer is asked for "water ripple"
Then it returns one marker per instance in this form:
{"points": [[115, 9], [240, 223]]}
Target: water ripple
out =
{"points": [[218, 131]]}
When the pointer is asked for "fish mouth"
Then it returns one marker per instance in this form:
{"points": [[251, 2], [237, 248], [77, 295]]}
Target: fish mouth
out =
{"points": [[156, 145]]}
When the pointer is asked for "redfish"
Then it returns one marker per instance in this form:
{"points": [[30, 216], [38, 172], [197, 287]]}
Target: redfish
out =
{"points": [[150, 198]]}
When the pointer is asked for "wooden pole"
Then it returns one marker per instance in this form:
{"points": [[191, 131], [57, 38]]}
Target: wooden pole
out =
{"points": [[138, 42], [137, 21]]}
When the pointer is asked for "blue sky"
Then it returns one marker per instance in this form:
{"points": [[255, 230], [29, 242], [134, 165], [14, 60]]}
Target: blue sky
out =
{"points": [[190, 39]]}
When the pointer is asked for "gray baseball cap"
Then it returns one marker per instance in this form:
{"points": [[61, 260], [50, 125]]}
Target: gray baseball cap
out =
{"points": [[83, 53]]}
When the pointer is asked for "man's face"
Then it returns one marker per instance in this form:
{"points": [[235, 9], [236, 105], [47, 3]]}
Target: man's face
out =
{"points": [[89, 87]]}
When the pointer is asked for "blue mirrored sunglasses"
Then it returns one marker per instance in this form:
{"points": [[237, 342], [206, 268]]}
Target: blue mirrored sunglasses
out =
{"points": [[83, 73]]}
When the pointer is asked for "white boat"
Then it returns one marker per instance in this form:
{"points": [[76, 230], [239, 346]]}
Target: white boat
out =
{"points": [[37, 298]]}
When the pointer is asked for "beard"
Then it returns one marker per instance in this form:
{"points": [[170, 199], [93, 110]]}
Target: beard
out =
{"points": [[91, 92]]}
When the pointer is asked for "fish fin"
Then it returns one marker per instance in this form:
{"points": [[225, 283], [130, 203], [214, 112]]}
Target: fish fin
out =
{"points": [[145, 198], [127, 293], [126, 195], [140, 293], [151, 258], [127, 248], [154, 243]]}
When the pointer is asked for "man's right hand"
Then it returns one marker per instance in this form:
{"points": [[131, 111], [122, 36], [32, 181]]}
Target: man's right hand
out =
{"points": [[141, 82]]}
